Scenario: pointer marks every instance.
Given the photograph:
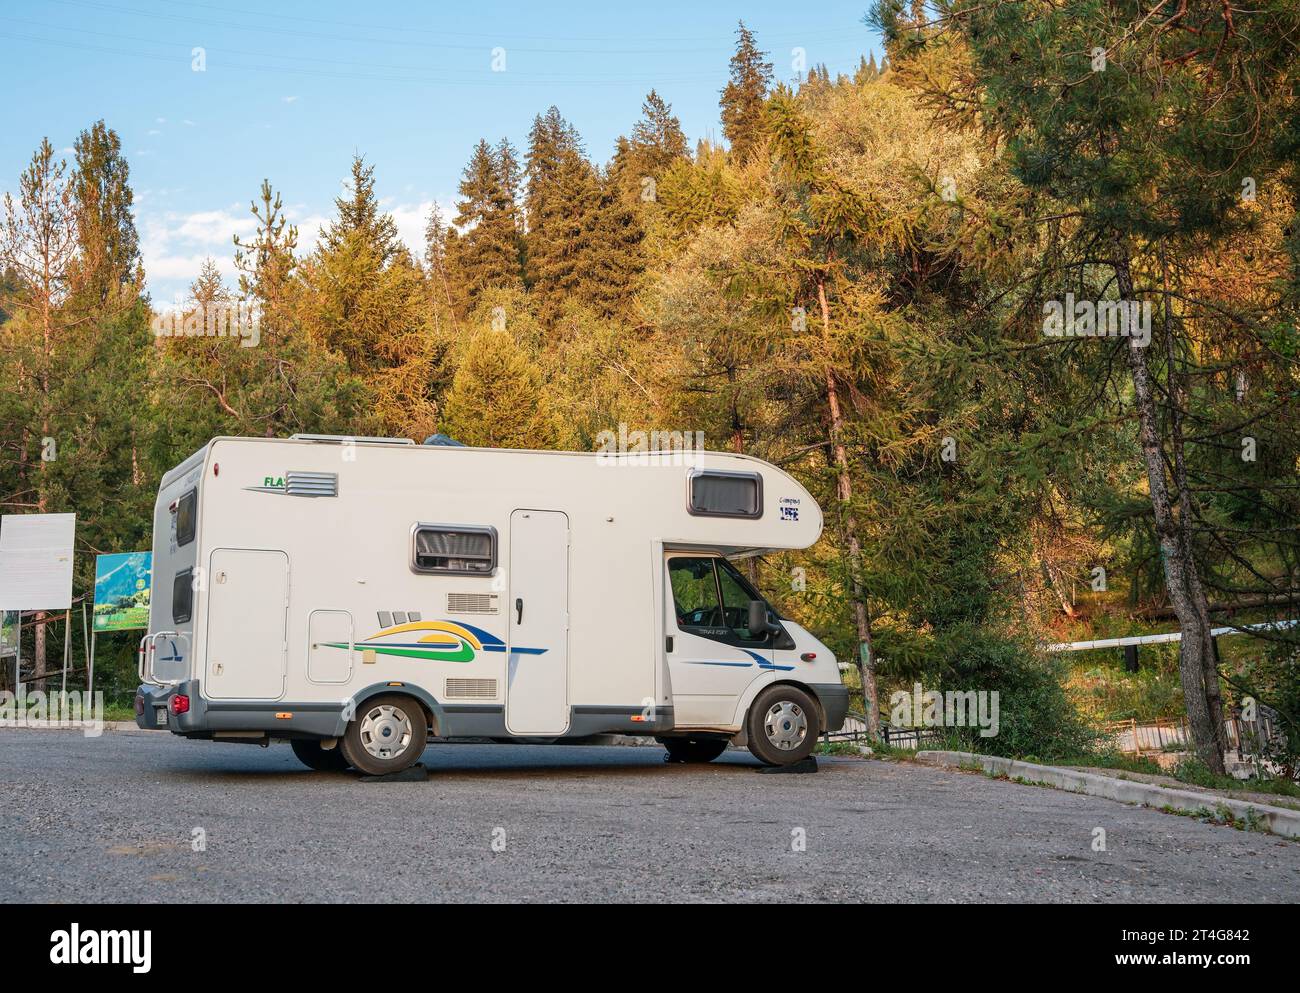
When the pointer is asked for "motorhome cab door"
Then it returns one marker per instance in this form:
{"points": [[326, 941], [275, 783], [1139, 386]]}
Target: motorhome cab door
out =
{"points": [[537, 673], [711, 655]]}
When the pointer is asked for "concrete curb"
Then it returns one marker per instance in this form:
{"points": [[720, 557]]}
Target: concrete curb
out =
{"points": [[73, 725], [1277, 819]]}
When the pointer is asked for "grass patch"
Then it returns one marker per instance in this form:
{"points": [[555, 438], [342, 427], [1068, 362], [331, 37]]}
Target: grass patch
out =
{"points": [[1194, 772], [119, 712]]}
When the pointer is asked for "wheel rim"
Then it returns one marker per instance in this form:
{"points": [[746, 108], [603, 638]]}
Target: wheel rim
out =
{"points": [[386, 732], [786, 725]]}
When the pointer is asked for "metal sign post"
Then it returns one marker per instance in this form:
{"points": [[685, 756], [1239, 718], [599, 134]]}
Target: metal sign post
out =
{"points": [[88, 646]]}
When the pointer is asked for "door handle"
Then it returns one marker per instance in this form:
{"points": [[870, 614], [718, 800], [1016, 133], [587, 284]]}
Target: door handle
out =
{"points": [[519, 609]]}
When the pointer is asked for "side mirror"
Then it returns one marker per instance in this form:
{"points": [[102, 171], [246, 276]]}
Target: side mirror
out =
{"points": [[758, 625]]}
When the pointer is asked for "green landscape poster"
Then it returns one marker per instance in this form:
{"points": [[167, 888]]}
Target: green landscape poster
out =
{"points": [[8, 632], [123, 582]]}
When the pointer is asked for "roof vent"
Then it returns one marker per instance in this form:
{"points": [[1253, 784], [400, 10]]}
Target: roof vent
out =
{"points": [[344, 439], [443, 441]]}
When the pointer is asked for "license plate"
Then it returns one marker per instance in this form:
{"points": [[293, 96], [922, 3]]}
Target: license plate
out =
{"points": [[160, 717]]}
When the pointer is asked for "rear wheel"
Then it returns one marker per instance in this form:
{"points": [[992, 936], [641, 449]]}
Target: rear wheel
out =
{"points": [[313, 756], [387, 735], [693, 749], [783, 725]]}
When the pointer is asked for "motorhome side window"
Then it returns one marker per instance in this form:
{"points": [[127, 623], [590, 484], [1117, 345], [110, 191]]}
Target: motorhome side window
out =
{"points": [[183, 596], [453, 550], [185, 516], [710, 598], [725, 494]]}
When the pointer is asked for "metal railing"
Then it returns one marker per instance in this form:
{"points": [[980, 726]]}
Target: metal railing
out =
{"points": [[855, 730]]}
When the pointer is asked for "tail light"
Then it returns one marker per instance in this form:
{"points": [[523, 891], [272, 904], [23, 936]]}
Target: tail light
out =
{"points": [[180, 704], [139, 705]]}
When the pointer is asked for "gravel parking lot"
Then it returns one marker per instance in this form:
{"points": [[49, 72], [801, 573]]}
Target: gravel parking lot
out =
{"points": [[114, 818]]}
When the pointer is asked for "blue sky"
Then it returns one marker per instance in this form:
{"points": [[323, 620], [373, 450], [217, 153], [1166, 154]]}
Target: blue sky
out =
{"points": [[292, 91]]}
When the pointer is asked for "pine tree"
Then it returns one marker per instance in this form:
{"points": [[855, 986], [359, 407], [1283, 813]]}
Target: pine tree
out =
{"points": [[563, 197], [279, 381], [744, 94], [359, 213], [266, 261], [496, 399], [107, 272], [641, 159], [1143, 150], [209, 287], [74, 346], [363, 298], [614, 263], [490, 252]]}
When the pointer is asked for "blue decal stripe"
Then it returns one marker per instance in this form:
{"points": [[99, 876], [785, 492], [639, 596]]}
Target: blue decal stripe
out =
{"points": [[486, 638], [515, 651]]}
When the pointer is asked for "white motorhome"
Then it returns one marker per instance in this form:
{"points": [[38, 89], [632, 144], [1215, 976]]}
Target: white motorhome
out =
{"points": [[356, 597]]}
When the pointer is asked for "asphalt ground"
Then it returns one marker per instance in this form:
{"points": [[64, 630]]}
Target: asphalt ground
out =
{"points": [[143, 817]]}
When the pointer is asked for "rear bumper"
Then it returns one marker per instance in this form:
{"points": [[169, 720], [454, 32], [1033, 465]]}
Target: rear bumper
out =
{"points": [[834, 700], [206, 718]]}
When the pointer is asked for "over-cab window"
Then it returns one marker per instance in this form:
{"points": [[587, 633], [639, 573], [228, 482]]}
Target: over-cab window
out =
{"points": [[714, 493], [183, 596], [453, 550], [185, 517]]}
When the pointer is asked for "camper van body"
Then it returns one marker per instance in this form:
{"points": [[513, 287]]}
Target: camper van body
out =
{"points": [[513, 595]]}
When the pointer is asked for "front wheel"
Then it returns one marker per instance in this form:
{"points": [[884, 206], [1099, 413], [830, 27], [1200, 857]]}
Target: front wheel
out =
{"points": [[387, 735], [693, 749], [311, 755], [782, 725]]}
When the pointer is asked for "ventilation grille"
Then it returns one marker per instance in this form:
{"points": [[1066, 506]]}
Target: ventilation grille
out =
{"points": [[311, 484], [472, 603], [471, 689]]}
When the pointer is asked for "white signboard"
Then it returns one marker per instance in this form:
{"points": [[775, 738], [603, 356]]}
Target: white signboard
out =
{"points": [[36, 561]]}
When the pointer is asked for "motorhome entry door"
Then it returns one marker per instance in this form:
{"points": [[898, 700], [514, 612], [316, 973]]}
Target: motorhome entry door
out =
{"points": [[537, 673], [248, 601]]}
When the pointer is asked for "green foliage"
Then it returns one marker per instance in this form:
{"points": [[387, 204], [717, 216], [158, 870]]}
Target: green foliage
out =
{"points": [[852, 290], [742, 97], [490, 253], [1036, 719], [496, 399]]}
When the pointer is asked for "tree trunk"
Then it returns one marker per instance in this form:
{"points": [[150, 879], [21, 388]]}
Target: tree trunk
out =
{"points": [[1185, 592], [866, 660]]}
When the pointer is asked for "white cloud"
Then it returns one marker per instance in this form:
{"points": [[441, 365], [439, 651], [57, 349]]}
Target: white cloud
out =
{"points": [[411, 220], [292, 99], [174, 245], [214, 227]]}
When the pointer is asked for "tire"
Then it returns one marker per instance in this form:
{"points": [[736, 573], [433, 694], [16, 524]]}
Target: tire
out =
{"points": [[387, 735], [311, 755], [693, 749], [783, 724]]}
